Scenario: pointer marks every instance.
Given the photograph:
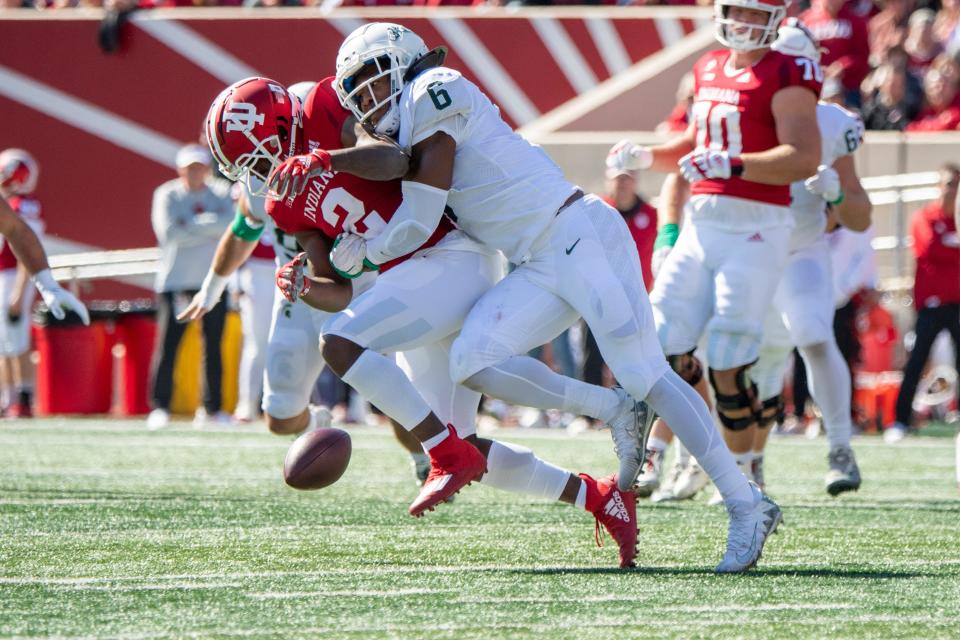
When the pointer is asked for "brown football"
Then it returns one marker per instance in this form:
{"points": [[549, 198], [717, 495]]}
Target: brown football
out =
{"points": [[317, 459]]}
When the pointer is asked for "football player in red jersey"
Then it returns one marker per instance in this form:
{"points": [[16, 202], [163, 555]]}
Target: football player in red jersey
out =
{"points": [[415, 307], [753, 132]]}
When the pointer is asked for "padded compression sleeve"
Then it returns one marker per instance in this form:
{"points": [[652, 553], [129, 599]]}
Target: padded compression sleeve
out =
{"points": [[412, 223]]}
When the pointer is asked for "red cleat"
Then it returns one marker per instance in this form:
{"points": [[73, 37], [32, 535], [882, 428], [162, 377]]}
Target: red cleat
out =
{"points": [[454, 463], [617, 511], [18, 410]]}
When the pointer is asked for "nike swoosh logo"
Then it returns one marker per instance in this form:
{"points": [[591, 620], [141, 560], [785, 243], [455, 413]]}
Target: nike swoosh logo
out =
{"points": [[573, 246], [751, 550]]}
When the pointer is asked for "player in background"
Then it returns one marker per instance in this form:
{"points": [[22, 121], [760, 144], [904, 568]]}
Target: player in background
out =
{"points": [[18, 180], [804, 300], [574, 257], [26, 246], [753, 132], [415, 306]]}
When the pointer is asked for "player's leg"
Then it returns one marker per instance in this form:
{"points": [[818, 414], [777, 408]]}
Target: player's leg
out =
{"points": [[257, 284], [604, 284], [748, 271], [291, 367], [768, 373], [418, 302], [805, 297], [515, 468]]}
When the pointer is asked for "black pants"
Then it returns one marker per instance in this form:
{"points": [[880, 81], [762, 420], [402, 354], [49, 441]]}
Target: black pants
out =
{"points": [[845, 330], [930, 322], [592, 361], [169, 333]]}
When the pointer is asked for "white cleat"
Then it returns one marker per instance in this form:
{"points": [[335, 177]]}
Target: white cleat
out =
{"points": [[321, 416], [630, 429], [649, 479], [895, 433], [158, 419], [750, 526], [691, 481]]}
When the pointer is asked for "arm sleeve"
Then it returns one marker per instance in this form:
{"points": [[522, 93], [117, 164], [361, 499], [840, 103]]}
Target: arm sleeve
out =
{"points": [[412, 223]]}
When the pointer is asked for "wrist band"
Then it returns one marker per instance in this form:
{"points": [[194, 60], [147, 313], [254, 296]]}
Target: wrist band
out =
{"points": [[736, 167], [667, 236], [838, 200], [242, 228]]}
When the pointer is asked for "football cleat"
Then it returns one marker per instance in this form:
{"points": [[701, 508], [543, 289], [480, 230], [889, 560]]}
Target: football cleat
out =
{"points": [[630, 429], [454, 463], [844, 474], [616, 510], [19, 410], [751, 523], [158, 419], [895, 433], [691, 481], [649, 479]]}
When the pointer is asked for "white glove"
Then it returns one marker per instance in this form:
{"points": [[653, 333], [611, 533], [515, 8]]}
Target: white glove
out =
{"points": [[706, 164], [628, 156], [348, 255], [206, 299], [291, 279], [58, 299], [825, 184]]}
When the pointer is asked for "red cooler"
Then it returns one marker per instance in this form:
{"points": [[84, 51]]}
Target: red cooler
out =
{"points": [[137, 332], [75, 371]]}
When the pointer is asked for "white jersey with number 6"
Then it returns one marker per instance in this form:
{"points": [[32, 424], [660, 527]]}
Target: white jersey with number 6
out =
{"points": [[841, 133], [505, 191]]}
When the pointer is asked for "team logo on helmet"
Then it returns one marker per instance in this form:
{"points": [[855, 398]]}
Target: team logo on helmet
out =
{"points": [[242, 116]]}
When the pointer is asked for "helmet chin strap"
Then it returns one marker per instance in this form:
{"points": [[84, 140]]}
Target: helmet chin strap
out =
{"points": [[390, 122]]}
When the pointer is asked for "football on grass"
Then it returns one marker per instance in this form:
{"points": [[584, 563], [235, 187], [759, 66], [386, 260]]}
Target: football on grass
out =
{"points": [[317, 459]]}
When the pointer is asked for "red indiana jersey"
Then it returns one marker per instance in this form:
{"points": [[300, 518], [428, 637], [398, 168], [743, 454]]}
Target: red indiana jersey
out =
{"points": [[29, 210], [732, 111], [334, 202]]}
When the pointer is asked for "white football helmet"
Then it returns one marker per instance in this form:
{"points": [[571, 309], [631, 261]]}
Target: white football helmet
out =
{"points": [[744, 36], [795, 39], [18, 172], [392, 48]]}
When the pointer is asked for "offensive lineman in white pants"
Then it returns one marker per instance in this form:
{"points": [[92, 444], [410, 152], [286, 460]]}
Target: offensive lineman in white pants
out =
{"points": [[804, 302], [574, 254]]}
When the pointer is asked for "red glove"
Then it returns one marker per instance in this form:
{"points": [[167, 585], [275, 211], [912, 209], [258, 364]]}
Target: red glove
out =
{"points": [[291, 279], [290, 176]]}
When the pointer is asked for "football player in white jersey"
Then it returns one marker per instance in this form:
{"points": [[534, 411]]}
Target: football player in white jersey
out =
{"points": [[803, 305], [574, 257]]}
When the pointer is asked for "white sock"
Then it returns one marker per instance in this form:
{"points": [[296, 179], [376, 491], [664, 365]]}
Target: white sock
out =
{"points": [[514, 468], [582, 496], [743, 459], [526, 381], [382, 383], [688, 417], [656, 444], [430, 443], [829, 381]]}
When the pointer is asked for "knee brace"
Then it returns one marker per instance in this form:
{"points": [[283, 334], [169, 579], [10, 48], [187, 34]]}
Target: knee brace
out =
{"points": [[744, 399], [687, 366], [771, 412]]}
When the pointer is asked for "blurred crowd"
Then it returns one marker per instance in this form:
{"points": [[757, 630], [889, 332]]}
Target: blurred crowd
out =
{"points": [[895, 61]]}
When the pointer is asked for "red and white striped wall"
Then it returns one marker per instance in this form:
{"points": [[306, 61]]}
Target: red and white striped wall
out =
{"points": [[105, 127]]}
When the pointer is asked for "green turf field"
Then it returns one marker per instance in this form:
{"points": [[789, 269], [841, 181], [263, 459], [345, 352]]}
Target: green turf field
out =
{"points": [[107, 531]]}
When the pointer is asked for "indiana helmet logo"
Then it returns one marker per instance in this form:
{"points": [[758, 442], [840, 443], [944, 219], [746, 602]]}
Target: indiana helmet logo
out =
{"points": [[242, 116]]}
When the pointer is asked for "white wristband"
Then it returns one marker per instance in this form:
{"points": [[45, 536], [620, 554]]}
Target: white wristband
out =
{"points": [[214, 283]]}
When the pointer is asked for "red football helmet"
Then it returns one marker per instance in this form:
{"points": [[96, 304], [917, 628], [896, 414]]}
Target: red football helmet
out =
{"points": [[18, 172], [251, 128]]}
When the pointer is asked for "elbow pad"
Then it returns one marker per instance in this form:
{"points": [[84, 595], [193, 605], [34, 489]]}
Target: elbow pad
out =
{"points": [[412, 223]]}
